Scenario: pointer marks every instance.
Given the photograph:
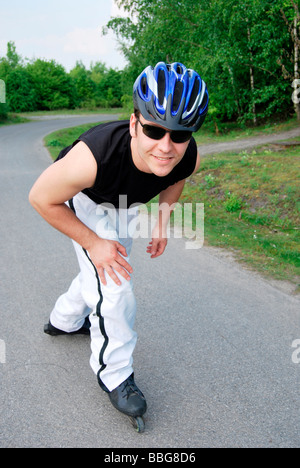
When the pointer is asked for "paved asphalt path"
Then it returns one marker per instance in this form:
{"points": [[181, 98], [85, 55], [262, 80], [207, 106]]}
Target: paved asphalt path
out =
{"points": [[214, 356], [249, 143]]}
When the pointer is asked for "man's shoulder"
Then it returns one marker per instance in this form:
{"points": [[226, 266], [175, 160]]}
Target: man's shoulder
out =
{"points": [[106, 138]]}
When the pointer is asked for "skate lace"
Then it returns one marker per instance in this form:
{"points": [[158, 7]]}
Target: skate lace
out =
{"points": [[130, 388]]}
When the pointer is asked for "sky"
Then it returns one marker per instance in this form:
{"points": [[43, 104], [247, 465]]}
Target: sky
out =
{"points": [[63, 30]]}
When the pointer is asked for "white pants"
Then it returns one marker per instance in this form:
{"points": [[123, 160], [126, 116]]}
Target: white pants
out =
{"points": [[111, 308]]}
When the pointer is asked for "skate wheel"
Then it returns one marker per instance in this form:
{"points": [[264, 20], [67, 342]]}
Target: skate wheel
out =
{"points": [[138, 423]]}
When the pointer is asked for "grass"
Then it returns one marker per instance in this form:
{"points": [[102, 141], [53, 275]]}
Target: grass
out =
{"points": [[252, 206], [58, 140], [251, 200], [13, 119]]}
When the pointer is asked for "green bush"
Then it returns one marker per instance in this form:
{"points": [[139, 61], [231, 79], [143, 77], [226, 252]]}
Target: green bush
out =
{"points": [[233, 203], [21, 94], [3, 112]]}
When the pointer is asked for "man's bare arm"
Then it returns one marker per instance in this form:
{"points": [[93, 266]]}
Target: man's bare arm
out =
{"points": [[58, 184], [167, 200]]}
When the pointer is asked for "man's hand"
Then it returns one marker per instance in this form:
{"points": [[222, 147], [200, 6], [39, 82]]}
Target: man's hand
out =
{"points": [[167, 201], [107, 255], [158, 244], [157, 247]]}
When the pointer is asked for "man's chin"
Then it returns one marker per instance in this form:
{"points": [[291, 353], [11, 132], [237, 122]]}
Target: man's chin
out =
{"points": [[162, 170]]}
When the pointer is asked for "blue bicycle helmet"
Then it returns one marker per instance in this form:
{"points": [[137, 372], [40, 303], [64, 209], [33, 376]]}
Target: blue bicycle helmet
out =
{"points": [[171, 95]]}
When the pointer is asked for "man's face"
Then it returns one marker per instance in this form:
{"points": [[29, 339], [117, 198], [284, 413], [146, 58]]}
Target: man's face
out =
{"points": [[157, 157]]}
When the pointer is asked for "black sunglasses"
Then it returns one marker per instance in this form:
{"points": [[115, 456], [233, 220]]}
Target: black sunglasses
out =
{"points": [[157, 133]]}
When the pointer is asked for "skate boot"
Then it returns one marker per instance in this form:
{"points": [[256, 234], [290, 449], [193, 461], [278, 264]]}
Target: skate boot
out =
{"points": [[128, 399], [49, 329]]}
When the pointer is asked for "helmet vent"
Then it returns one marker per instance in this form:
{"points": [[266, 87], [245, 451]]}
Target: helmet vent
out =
{"points": [[204, 103], [194, 95], [177, 95], [161, 80], [144, 85], [193, 121]]}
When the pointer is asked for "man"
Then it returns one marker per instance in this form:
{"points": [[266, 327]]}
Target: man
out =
{"points": [[90, 194]]}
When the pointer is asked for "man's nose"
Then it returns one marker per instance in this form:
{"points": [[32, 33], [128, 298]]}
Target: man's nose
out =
{"points": [[165, 144]]}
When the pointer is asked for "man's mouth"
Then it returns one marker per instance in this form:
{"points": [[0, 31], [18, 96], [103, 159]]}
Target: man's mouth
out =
{"points": [[162, 159]]}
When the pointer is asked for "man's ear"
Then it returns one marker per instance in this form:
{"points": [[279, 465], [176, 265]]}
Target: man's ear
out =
{"points": [[132, 126]]}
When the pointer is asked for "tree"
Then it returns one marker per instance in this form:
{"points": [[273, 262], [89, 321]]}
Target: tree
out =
{"points": [[12, 57], [21, 94], [52, 84], [83, 85], [45, 85], [241, 49], [107, 85]]}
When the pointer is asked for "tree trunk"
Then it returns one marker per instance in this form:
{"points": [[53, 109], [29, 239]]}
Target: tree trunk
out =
{"points": [[296, 59], [252, 84], [234, 90]]}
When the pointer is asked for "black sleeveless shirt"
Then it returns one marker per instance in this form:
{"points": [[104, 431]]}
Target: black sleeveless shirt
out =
{"points": [[117, 174]]}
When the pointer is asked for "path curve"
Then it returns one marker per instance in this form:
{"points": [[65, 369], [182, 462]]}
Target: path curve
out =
{"points": [[247, 143]]}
